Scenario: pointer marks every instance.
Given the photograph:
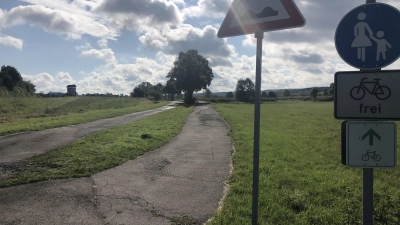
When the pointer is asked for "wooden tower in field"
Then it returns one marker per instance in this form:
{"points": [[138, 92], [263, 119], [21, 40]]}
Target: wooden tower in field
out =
{"points": [[71, 90]]}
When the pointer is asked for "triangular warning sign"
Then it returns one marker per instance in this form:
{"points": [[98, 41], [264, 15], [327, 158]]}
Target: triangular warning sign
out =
{"points": [[246, 16]]}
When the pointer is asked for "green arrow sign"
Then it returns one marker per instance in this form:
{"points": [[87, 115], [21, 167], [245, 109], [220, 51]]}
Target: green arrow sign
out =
{"points": [[371, 133]]}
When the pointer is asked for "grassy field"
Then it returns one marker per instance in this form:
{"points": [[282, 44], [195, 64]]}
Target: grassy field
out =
{"points": [[102, 150], [23, 114], [302, 180]]}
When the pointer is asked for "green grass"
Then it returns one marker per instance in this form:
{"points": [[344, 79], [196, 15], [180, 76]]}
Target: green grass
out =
{"points": [[302, 180], [26, 114], [102, 150]]}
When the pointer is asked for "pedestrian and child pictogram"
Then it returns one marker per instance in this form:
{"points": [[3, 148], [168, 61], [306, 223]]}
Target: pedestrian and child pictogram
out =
{"points": [[361, 40], [367, 37]]}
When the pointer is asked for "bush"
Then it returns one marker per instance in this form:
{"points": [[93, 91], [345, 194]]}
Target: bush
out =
{"points": [[268, 99], [218, 100]]}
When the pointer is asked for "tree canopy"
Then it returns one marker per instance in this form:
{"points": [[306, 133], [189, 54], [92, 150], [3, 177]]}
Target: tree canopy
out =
{"points": [[244, 90], [229, 94], [137, 93], [331, 89], [314, 92], [208, 93], [264, 94], [190, 73], [11, 82], [286, 93], [272, 94]]}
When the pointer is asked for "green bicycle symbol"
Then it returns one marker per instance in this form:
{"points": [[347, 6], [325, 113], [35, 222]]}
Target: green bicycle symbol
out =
{"points": [[371, 154]]}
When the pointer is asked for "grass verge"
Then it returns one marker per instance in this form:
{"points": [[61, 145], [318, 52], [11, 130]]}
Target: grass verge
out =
{"points": [[302, 180], [32, 114], [102, 150]]}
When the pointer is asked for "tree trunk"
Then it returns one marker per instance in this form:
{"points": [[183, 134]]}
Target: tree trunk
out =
{"points": [[189, 97]]}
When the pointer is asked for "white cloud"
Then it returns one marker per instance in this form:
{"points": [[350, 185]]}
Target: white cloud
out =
{"points": [[185, 37], [103, 43], [106, 54], [11, 41], [131, 15], [44, 82], [73, 25], [122, 78], [65, 78], [208, 8], [85, 46]]}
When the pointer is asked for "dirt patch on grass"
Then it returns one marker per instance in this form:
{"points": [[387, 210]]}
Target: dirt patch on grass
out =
{"points": [[8, 170]]}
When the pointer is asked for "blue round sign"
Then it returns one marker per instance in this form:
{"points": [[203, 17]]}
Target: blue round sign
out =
{"points": [[368, 37]]}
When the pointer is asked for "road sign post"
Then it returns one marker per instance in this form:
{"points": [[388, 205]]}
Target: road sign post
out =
{"points": [[256, 156], [368, 187], [256, 17], [367, 36]]}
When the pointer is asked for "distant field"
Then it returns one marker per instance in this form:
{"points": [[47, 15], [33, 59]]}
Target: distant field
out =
{"points": [[23, 114], [302, 180]]}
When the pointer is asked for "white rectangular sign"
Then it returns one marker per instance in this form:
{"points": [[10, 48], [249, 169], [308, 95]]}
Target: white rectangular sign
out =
{"points": [[371, 144], [367, 95]]}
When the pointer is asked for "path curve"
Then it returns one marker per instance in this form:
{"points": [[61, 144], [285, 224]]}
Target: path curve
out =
{"points": [[181, 181], [24, 145]]}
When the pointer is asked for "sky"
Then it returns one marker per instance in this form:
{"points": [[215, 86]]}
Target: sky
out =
{"points": [[114, 45]]}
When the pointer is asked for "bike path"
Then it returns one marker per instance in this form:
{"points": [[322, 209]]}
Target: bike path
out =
{"points": [[24, 145], [181, 181]]}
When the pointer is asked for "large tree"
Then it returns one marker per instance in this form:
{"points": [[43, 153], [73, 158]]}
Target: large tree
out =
{"points": [[14, 75], [286, 93], [169, 89], [137, 92], [190, 73], [314, 92], [11, 80], [208, 93], [244, 90], [145, 87], [229, 94], [331, 90], [264, 94], [272, 94]]}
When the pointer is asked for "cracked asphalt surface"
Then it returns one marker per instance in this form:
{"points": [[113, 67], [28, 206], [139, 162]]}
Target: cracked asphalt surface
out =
{"points": [[181, 181]]}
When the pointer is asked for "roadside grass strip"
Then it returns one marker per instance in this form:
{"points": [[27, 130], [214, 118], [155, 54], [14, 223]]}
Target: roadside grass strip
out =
{"points": [[33, 114], [102, 150], [302, 180]]}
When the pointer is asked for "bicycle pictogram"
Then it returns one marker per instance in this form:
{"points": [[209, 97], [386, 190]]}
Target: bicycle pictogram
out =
{"points": [[371, 154], [381, 92]]}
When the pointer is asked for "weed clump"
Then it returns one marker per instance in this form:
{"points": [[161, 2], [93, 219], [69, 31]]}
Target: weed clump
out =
{"points": [[145, 136]]}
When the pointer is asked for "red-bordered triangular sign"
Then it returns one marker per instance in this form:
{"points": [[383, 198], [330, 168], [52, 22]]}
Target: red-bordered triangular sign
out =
{"points": [[246, 16]]}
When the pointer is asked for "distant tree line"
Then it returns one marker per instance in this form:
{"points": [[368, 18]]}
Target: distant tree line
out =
{"points": [[12, 84]]}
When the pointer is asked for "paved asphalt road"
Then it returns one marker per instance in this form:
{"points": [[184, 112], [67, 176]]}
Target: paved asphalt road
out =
{"points": [[181, 181], [21, 146]]}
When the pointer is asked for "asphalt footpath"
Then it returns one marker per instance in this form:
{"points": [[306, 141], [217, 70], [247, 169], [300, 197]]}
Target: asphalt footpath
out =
{"points": [[182, 182]]}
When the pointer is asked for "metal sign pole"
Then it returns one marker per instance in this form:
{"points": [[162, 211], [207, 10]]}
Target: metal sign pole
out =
{"points": [[368, 186], [368, 193], [259, 35]]}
